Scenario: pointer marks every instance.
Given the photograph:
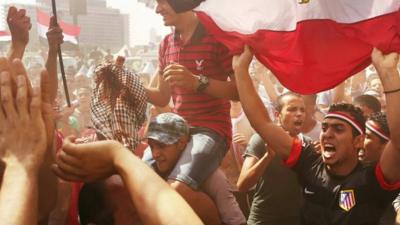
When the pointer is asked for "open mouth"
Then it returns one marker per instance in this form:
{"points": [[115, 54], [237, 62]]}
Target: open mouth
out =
{"points": [[329, 151], [298, 123]]}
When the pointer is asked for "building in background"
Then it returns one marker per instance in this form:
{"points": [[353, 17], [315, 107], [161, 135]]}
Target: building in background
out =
{"points": [[101, 26]]}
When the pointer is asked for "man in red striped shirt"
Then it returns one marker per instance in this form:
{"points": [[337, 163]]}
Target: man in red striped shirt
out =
{"points": [[194, 70]]}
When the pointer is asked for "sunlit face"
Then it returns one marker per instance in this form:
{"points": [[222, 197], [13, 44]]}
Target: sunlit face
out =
{"points": [[166, 156], [373, 147], [168, 14], [338, 146], [292, 114]]}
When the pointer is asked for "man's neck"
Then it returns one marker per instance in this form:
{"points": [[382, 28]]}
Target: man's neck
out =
{"points": [[187, 26], [343, 170]]}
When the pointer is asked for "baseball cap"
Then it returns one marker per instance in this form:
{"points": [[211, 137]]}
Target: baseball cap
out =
{"points": [[167, 128], [181, 6]]}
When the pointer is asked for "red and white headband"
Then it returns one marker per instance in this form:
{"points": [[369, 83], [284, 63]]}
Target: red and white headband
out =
{"points": [[376, 130], [348, 119]]}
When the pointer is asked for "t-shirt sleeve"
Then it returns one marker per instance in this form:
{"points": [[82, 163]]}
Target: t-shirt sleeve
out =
{"points": [[379, 190], [302, 158], [295, 153], [383, 183], [255, 147]]}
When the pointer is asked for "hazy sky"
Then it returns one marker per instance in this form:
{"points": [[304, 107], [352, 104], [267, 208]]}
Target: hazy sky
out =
{"points": [[140, 13]]}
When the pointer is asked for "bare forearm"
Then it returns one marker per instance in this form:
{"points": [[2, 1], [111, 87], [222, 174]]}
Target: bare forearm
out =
{"points": [[391, 155], [51, 66], [249, 176], [16, 51], [156, 97], [269, 88], [392, 82], [157, 197], [222, 89], [19, 197], [158, 92], [257, 114]]}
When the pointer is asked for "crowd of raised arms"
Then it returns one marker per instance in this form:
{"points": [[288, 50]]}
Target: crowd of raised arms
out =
{"points": [[210, 138]]}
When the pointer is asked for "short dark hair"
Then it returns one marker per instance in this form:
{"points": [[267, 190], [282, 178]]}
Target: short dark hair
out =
{"points": [[352, 111], [279, 101], [93, 205], [381, 119], [370, 101]]}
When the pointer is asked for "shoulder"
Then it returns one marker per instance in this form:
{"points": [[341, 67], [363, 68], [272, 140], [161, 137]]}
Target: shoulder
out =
{"points": [[169, 38], [256, 146]]}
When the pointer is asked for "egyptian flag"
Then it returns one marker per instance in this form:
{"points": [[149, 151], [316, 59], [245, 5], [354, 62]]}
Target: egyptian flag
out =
{"points": [[310, 45], [70, 31], [5, 36]]}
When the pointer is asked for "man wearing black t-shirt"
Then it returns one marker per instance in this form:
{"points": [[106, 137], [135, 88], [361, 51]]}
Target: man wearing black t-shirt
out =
{"points": [[337, 188]]}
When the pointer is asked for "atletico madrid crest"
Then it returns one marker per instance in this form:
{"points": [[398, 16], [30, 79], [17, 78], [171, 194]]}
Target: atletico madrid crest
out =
{"points": [[347, 199]]}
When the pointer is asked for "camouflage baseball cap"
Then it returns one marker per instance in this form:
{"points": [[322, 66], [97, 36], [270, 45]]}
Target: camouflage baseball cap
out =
{"points": [[167, 128]]}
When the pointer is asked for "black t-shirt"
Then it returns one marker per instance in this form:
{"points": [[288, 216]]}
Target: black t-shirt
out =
{"points": [[277, 198], [356, 199]]}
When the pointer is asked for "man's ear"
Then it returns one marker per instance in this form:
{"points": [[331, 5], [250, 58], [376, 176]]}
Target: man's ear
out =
{"points": [[183, 142]]}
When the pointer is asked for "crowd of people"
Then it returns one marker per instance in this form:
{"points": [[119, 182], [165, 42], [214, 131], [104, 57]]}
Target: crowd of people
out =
{"points": [[211, 138]]}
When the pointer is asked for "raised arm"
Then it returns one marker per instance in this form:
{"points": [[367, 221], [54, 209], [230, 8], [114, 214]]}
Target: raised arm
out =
{"points": [[158, 203], [255, 110], [54, 38], [22, 147], [19, 25], [386, 66]]}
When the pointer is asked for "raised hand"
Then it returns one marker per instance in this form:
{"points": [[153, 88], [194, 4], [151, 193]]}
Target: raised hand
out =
{"points": [[242, 61], [22, 130], [54, 35], [87, 162], [19, 24], [384, 63], [386, 66]]}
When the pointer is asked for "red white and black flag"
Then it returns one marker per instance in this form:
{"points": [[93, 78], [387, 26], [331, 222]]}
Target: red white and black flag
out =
{"points": [[5, 36], [310, 45], [70, 31]]}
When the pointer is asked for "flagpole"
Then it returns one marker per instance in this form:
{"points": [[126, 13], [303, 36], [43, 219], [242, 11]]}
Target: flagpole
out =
{"points": [[53, 4]]}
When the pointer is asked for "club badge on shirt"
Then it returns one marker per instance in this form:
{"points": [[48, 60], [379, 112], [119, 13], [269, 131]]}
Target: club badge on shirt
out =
{"points": [[347, 200], [199, 64]]}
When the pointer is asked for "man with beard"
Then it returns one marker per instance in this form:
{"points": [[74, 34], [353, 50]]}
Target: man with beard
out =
{"points": [[275, 182]]}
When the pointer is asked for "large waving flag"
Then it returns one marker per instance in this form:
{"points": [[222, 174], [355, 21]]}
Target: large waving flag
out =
{"points": [[5, 36], [70, 31], [310, 45]]}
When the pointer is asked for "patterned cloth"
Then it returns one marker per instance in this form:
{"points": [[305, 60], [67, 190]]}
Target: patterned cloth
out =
{"points": [[119, 115]]}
